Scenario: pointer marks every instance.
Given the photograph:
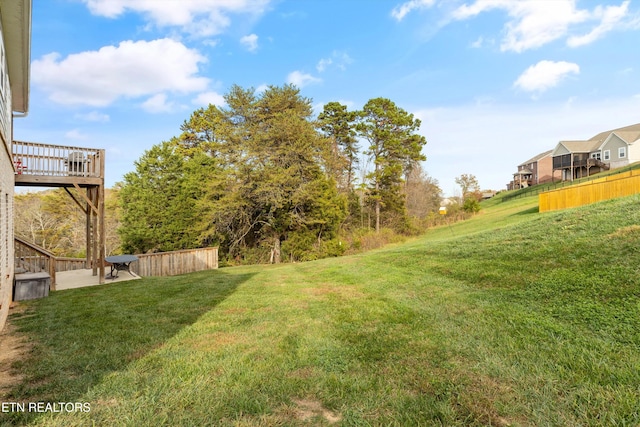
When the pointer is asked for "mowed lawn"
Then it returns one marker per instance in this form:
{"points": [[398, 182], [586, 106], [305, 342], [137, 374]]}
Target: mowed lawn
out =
{"points": [[510, 318]]}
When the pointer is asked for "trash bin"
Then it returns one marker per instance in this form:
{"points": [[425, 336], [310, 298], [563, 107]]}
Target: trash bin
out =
{"points": [[31, 286]]}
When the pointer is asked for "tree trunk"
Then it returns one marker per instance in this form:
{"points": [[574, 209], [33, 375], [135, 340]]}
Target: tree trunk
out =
{"points": [[276, 250], [377, 199]]}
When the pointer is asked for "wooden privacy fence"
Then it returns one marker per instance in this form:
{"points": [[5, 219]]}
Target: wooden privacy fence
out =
{"points": [[68, 264], [34, 259], [619, 185], [176, 262]]}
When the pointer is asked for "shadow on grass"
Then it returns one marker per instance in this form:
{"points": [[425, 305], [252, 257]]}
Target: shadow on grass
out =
{"points": [[79, 336], [535, 209]]}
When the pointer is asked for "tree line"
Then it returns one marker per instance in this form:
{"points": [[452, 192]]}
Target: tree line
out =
{"points": [[265, 180]]}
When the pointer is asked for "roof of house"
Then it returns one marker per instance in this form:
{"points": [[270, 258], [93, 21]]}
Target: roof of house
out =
{"points": [[581, 146], [536, 158], [523, 172], [628, 133], [16, 31]]}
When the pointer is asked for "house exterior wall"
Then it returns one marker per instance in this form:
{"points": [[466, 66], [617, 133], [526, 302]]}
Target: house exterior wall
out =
{"points": [[560, 150], [634, 152], [612, 145], [7, 182], [545, 170]]}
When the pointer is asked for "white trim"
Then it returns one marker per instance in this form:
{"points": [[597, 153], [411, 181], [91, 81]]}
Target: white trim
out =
{"points": [[607, 155]]}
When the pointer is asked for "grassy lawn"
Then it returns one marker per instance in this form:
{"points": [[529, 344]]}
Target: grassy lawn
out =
{"points": [[510, 318]]}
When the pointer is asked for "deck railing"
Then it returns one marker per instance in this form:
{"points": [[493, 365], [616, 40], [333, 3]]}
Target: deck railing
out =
{"points": [[34, 259], [32, 158]]}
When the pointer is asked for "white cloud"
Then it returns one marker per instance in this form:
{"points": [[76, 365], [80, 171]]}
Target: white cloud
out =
{"points": [[206, 98], [261, 88], [338, 59], [76, 135], [131, 69], [533, 23], [250, 42], [545, 75], [610, 17], [478, 43], [301, 79], [158, 104], [93, 116], [399, 12], [323, 64], [201, 18]]}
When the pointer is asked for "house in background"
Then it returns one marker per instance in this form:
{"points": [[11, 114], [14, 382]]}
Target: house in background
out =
{"points": [[607, 150], [577, 159], [15, 54], [570, 160], [537, 170], [619, 147]]}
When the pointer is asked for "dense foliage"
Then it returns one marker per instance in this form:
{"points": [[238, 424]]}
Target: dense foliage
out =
{"points": [[263, 180]]}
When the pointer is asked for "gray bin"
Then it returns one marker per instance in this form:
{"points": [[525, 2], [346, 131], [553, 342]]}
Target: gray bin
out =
{"points": [[31, 286]]}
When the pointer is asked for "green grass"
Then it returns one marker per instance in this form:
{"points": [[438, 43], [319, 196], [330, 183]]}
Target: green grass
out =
{"points": [[510, 318]]}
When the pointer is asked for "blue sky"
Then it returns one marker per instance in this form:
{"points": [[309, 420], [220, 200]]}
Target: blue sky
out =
{"points": [[495, 82]]}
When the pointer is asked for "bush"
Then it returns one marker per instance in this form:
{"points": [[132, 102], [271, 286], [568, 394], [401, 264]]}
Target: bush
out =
{"points": [[471, 205], [363, 239]]}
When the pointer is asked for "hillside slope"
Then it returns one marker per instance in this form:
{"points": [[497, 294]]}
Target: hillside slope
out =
{"points": [[510, 318]]}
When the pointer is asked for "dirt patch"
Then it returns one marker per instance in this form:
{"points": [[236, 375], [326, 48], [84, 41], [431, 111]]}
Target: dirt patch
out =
{"points": [[13, 347], [214, 341], [325, 289], [307, 410], [239, 310], [630, 231]]}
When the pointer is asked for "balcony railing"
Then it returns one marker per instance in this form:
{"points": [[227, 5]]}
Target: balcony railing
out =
{"points": [[32, 158]]}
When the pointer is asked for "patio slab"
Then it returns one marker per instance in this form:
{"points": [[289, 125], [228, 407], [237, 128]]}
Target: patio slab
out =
{"points": [[81, 278]]}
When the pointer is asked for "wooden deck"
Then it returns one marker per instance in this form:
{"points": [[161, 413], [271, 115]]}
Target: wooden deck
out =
{"points": [[51, 165]]}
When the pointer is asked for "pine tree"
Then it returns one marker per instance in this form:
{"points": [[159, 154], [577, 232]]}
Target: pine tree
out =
{"points": [[393, 148]]}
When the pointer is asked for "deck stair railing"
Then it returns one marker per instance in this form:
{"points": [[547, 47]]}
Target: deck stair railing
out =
{"points": [[30, 258]]}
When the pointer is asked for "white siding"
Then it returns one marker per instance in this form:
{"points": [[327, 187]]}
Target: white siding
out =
{"points": [[6, 191], [634, 152]]}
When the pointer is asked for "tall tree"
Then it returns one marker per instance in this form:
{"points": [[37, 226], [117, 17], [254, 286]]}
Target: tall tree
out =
{"points": [[158, 208], [271, 188], [338, 125], [394, 147], [423, 193], [468, 184]]}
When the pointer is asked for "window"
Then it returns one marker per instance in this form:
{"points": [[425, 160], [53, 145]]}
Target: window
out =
{"points": [[622, 152], [595, 155], [607, 155]]}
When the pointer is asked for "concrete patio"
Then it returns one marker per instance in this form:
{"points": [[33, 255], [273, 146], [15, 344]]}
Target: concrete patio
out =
{"points": [[81, 278]]}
